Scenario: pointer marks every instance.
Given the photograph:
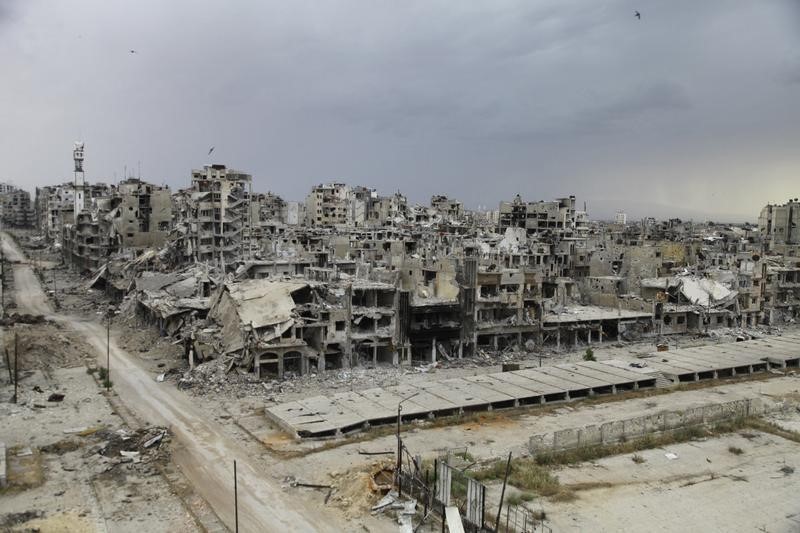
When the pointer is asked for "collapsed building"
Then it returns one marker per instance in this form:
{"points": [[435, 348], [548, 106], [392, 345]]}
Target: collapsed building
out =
{"points": [[281, 326], [350, 277]]}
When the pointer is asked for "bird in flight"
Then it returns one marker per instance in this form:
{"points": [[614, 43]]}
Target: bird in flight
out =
{"points": [[637, 15], [210, 150], [133, 51]]}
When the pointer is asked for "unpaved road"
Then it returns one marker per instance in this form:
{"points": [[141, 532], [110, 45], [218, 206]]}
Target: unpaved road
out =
{"points": [[208, 452]]}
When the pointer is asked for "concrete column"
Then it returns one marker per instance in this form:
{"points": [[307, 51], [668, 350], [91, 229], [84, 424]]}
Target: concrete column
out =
{"points": [[589, 336], [374, 356], [558, 337], [280, 366], [433, 350]]}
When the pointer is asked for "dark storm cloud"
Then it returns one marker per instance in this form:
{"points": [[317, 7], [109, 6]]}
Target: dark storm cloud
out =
{"points": [[477, 100]]}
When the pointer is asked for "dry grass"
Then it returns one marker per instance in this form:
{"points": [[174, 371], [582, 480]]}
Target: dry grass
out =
{"points": [[524, 474], [592, 453], [773, 429]]}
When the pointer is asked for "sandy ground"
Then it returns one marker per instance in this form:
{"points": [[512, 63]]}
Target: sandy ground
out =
{"points": [[706, 488], [77, 488], [59, 481]]}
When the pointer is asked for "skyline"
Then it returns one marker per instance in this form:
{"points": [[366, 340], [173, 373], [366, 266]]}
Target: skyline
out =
{"points": [[689, 112]]}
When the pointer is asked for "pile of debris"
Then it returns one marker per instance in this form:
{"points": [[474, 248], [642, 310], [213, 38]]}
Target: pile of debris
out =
{"points": [[357, 492], [22, 318], [145, 446]]}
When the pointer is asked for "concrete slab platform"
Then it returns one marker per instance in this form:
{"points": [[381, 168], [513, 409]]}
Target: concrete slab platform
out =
{"points": [[323, 416]]}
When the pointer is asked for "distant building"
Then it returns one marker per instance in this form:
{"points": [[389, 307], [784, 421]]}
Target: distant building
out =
{"points": [[621, 218], [778, 224], [557, 216], [15, 207], [337, 204], [141, 214], [217, 215]]}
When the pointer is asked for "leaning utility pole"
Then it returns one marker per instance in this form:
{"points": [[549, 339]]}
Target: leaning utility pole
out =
{"points": [[502, 495]]}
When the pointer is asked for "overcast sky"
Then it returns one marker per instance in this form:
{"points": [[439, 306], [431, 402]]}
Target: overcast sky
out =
{"points": [[692, 110]]}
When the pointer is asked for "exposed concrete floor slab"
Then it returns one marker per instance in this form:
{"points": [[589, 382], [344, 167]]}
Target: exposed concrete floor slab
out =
{"points": [[324, 416]]}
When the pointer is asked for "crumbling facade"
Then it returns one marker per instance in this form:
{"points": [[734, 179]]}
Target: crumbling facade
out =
{"points": [[16, 209], [350, 277]]}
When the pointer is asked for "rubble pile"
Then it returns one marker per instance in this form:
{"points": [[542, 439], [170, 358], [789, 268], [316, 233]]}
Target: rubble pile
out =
{"points": [[23, 318], [143, 448]]}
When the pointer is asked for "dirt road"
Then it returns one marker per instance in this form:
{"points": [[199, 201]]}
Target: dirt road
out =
{"points": [[207, 453]]}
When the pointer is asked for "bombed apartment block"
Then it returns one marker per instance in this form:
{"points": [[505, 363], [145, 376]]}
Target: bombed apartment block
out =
{"points": [[339, 205], [142, 215], [293, 327], [557, 217], [215, 218], [16, 210], [780, 227]]}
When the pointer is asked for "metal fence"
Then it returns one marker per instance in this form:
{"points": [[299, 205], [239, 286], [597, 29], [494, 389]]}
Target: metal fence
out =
{"points": [[443, 485]]}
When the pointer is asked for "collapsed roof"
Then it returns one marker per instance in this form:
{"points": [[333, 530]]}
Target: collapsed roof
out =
{"points": [[263, 306], [698, 291]]}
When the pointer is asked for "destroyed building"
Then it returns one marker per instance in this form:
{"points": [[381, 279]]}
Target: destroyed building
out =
{"points": [[279, 327], [141, 214], [780, 228], [214, 217], [365, 279], [16, 209]]}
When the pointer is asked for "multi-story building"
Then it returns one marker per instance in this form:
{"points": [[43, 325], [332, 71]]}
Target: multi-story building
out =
{"points": [[328, 205], [15, 207], [780, 225], [141, 214], [219, 216], [558, 216], [448, 208]]}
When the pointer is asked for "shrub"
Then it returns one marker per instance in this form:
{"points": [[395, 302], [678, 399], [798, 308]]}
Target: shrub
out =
{"points": [[589, 355], [735, 450]]}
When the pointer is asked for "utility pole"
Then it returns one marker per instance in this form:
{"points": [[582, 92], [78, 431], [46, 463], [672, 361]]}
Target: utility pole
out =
{"points": [[235, 498], [399, 468], [108, 350], [3, 279], [16, 367], [502, 494]]}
